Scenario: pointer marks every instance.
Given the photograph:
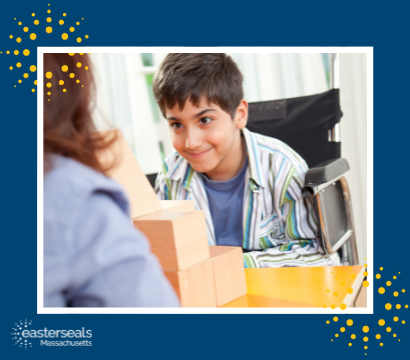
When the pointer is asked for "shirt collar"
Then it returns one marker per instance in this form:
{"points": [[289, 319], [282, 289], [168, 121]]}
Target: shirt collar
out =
{"points": [[182, 170], [255, 167]]}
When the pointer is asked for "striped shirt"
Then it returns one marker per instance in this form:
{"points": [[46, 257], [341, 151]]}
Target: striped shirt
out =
{"points": [[280, 227]]}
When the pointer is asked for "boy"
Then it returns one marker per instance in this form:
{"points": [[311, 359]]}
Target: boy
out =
{"points": [[248, 185]]}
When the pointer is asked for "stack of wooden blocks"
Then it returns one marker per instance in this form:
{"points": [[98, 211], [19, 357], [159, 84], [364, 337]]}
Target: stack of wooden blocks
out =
{"points": [[202, 275]]}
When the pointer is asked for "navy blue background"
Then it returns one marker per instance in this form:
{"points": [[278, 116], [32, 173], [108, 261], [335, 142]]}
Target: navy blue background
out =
{"points": [[211, 23]]}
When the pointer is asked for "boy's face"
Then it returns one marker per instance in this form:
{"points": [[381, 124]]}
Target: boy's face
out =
{"points": [[208, 138]]}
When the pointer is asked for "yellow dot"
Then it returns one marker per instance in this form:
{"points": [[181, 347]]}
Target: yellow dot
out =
{"points": [[86, 36], [403, 290], [15, 85], [20, 81], [7, 52], [381, 322], [403, 322], [365, 273], [394, 335], [26, 52], [78, 39], [25, 75], [33, 90], [349, 322], [327, 322], [49, 11], [349, 290], [365, 339], [378, 276], [11, 67], [396, 294], [79, 81], [342, 329], [77, 23], [388, 306], [49, 93], [33, 68], [18, 40], [407, 306], [353, 336], [342, 306], [353, 276], [350, 268], [324, 306], [48, 19], [388, 329], [366, 283], [64, 36], [81, 53], [49, 75], [365, 347], [64, 68], [49, 29], [64, 90], [381, 290], [19, 22], [11, 36], [332, 340], [18, 65], [394, 277], [388, 283], [78, 64], [378, 336], [16, 52], [61, 82], [333, 306], [395, 318], [365, 329], [86, 68], [72, 29], [337, 335], [72, 75], [25, 29], [335, 319], [381, 344], [36, 22], [83, 86], [336, 277], [398, 306], [64, 14], [350, 344], [33, 36], [381, 269], [82, 18], [71, 54], [35, 82], [365, 265], [33, 14], [49, 85]]}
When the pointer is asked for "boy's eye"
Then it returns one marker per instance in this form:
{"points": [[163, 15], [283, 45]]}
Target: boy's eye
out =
{"points": [[205, 120], [176, 125]]}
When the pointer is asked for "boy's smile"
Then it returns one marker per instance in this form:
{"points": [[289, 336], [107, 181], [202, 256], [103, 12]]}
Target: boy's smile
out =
{"points": [[208, 138]]}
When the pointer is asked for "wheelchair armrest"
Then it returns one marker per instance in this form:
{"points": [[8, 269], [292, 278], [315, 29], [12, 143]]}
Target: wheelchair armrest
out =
{"points": [[323, 175]]}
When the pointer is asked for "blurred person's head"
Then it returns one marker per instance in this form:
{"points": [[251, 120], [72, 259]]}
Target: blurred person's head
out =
{"points": [[68, 101], [201, 96]]}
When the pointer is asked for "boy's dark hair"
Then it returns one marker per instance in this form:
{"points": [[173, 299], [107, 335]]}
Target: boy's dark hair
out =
{"points": [[191, 76]]}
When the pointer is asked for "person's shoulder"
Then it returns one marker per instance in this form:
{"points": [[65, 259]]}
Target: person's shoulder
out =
{"points": [[278, 148], [69, 184]]}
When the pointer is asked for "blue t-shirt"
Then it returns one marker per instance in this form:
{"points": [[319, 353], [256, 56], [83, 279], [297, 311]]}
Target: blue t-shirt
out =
{"points": [[226, 204]]}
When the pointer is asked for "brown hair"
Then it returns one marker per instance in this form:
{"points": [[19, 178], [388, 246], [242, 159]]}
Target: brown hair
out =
{"points": [[68, 126], [192, 76]]}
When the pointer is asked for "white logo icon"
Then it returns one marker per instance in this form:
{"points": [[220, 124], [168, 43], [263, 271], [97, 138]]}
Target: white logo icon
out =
{"points": [[16, 335]]}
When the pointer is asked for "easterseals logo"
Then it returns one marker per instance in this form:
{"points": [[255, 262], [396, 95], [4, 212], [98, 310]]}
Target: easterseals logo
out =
{"points": [[25, 337]]}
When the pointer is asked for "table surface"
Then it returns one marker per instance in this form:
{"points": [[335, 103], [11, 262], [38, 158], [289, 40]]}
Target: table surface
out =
{"points": [[327, 286]]}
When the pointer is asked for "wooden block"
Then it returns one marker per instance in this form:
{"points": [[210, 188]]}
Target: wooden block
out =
{"points": [[229, 273], [183, 205], [128, 173], [194, 286], [177, 238]]}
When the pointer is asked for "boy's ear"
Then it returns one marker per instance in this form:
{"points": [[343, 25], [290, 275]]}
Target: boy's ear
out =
{"points": [[242, 114]]}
